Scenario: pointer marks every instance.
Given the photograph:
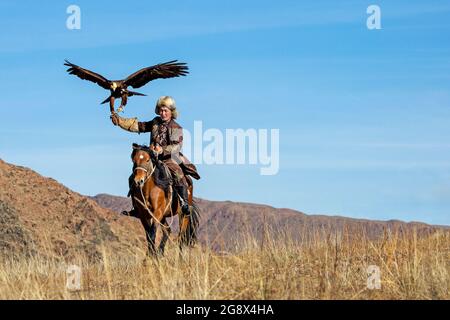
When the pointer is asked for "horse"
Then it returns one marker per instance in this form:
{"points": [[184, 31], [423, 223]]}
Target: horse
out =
{"points": [[154, 202]]}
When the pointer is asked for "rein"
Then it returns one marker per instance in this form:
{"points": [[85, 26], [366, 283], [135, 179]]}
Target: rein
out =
{"points": [[150, 167]]}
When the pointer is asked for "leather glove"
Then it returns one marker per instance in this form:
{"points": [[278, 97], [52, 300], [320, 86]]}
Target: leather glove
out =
{"points": [[156, 150], [115, 119]]}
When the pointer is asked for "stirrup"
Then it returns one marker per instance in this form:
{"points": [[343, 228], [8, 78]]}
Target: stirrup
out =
{"points": [[131, 213]]}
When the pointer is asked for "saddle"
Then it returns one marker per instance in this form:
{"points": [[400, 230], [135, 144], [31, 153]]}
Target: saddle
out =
{"points": [[189, 169], [163, 176]]}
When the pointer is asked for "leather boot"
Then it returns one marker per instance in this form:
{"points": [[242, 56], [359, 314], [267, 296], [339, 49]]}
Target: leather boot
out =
{"points": [[183, 193]]}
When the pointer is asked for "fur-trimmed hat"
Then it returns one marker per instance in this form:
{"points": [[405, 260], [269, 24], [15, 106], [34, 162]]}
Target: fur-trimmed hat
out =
{"points": [[169, 102]]}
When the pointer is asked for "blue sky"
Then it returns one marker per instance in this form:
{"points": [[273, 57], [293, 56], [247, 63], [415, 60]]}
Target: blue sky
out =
{"points": [[363, 114]]}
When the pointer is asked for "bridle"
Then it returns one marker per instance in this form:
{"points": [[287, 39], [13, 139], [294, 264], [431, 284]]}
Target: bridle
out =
{"points": [[147, 167]]}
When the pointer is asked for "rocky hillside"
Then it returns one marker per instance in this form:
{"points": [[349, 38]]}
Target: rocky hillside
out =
{"points": [[224, 224], [40, 215]]}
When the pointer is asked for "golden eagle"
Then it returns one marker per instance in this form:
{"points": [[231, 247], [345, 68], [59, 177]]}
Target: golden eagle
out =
{"points": [[138, 79]]}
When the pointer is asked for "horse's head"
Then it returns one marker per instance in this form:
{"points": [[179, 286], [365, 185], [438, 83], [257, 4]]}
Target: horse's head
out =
{"points": [[142, 164]]}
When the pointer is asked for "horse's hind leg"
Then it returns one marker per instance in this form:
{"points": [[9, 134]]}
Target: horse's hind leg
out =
{"points": [[183, 222], [184, 231], [165, 236]]}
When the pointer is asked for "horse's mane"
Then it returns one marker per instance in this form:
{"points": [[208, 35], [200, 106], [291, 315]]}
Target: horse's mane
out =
{"points": [[160, 176], [137, 147]]}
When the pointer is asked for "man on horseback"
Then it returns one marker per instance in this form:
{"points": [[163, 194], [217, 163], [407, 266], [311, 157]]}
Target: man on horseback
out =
{"points": [[166, 139]]}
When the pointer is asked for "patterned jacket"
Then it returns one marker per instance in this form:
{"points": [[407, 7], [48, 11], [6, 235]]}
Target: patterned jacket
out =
{"points": [[174, 141], [175, 133]]}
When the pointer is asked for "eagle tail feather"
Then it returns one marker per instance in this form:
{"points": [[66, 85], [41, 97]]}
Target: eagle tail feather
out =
{"points": [[133, 93], [106, 100]]}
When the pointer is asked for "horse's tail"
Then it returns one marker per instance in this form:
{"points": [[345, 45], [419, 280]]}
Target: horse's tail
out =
{"points": [[194, 221], [189, 236]]}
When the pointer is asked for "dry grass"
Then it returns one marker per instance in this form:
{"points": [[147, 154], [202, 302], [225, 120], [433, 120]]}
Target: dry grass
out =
{"points": [[333, 267]]}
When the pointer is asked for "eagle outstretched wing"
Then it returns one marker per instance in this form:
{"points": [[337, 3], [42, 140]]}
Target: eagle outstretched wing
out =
{"points": [[168, 69], [87, 75]]}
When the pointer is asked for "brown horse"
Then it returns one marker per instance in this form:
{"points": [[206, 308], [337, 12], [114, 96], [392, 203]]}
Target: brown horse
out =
{"points": [[154, 202]]}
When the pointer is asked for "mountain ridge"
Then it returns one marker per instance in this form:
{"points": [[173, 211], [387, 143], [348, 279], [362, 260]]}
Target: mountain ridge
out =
{"points": [[40, 215]]}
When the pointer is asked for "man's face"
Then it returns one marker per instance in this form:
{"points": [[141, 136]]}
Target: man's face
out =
{"points": [[165, 113]]}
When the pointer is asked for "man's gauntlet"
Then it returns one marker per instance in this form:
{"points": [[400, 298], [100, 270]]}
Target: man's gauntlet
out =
{"points": [[129, 124]]}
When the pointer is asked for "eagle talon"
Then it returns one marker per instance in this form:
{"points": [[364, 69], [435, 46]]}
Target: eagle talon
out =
{"points": [[120, 109]]}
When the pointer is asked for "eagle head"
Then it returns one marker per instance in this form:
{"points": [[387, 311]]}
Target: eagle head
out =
{"points": [[114, 86]]}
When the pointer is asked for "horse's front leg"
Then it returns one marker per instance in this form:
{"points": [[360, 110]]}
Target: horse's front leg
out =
{"points": [[150, 235], [165, 236], [157, 203]]}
